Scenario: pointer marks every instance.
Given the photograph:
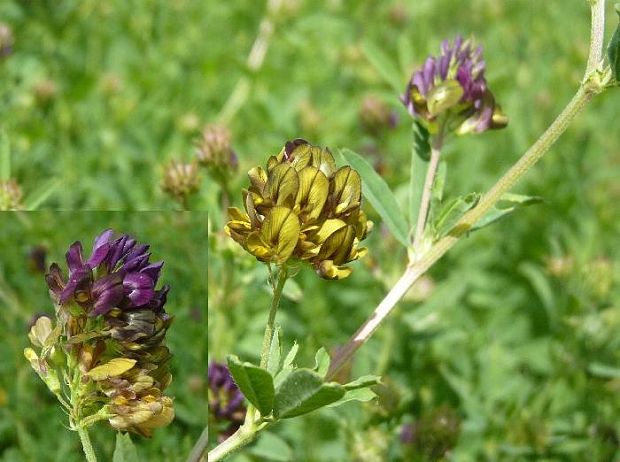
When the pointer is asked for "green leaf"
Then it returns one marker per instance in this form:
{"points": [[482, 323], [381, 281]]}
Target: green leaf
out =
{"points": [[449, 213], [507, 204], [5, 156], [287, 365], [322, 362], [384, 66], [271, 447], [358, 394], [255, 383], [125, 451], [40, 195], [290, 357], [604, 370], [275, 351], [380, 196], [302, 392], [613, 50], [364, 381]]}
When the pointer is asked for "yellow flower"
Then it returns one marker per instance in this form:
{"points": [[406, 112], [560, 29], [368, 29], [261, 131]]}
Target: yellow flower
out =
{"points": [[302, 207]]}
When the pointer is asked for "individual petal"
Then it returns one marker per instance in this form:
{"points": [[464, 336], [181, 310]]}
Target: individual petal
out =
{"points": [[74, 256], [78, 286], [55, 280], [139, 288], [312, 193], [346, 190], [107, 293], [282, 185], [153, 270]]}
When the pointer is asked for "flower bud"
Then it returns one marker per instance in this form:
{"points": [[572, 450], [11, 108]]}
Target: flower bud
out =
{"points": [[6, 40], [10, 195], [214, 149], [181, 180]]}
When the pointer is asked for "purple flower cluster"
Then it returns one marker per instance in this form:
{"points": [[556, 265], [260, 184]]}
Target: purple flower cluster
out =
{"points": [[117, 274], [225, 398], [451, 92]]}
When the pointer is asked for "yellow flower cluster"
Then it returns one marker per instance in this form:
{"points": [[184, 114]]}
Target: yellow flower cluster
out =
{"points": [[302, 207]]}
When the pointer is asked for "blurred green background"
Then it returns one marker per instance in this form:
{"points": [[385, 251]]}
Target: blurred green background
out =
{"points": [[32, 423], [509, 350]]}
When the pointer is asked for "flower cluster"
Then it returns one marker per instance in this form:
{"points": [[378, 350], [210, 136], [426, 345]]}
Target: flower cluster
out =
{"points": [[111, 326], [302, 207], [10, 195], [450, 92], [225, 399], [214, 149]]}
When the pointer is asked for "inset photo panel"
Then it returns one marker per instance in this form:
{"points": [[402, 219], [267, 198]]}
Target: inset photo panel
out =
{"points": [[104, 345]]}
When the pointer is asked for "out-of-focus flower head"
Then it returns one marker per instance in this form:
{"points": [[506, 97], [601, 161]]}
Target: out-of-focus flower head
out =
{"points": [[6, 40], [10, 195], [181, 180], [450, 92], [225, 399], [301, 207], [214, 149], [376, 116], [111, 325]]}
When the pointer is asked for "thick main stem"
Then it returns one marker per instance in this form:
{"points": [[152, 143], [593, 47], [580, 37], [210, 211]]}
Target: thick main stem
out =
{"points": [[233, 443], [414, 271], [597, 35], [87, 446], [427, 191]]}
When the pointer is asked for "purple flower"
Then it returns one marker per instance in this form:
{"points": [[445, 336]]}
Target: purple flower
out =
{"points": [[117, 274], [450, 92], [226, 402]]}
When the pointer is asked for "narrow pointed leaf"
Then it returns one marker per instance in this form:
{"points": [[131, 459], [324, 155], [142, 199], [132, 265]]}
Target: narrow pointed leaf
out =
{"points": [[376, 190], [508, 204], [384, 66], [613, 50], [364, 381], [275, 352], [37, 197], [322, 362], [357, 394], [255, 383]]}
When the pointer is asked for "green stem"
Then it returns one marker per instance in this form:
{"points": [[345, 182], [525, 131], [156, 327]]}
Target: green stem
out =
{"points": [[89, 452], [248, 430], [270, 327], [419, 267], [427, 190], [200, 446], [233, 443]]}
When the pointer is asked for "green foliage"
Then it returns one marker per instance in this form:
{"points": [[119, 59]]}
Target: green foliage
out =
{"points": [[304, 391], [255, 383], [613, 50], [379, 195], [125, 451]]}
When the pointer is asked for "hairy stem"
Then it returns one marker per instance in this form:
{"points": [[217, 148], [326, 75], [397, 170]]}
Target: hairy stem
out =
{"points": [[200, 447], [417, 269], [87, 446], [597, 35], [269, 328], [248, 430], [426, 191], [233, 443]]}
